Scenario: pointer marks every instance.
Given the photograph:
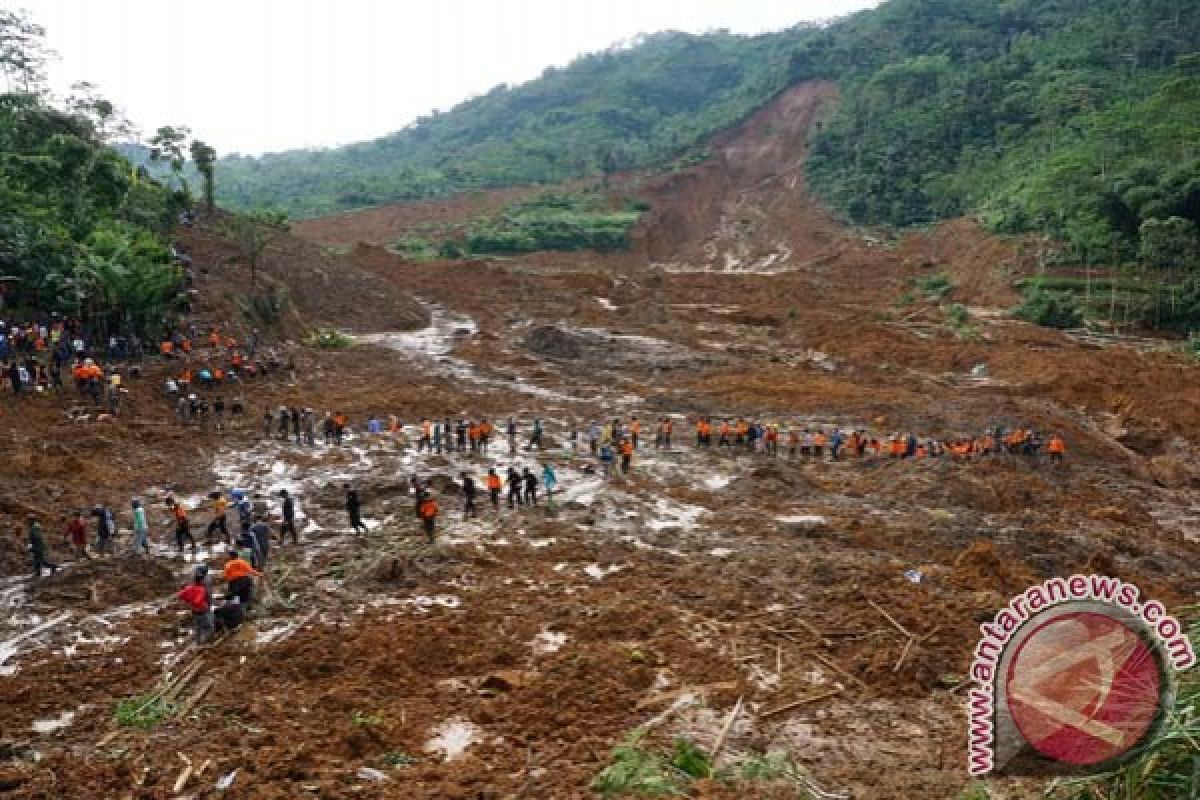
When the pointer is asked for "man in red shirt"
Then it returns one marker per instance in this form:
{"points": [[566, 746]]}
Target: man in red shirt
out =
{"points": [[76, 534], [196, 597]]}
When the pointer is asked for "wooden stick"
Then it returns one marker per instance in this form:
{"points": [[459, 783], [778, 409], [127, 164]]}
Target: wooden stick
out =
{"points": [[737, 709], [904, 655], [196, 695], [889, 618], [833, 665], [802, 702], [182, 780]]}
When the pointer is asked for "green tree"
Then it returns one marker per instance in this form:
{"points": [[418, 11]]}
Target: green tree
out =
{"points": [[253, 233], [205, 157], [1170, 242], [168, 145]]}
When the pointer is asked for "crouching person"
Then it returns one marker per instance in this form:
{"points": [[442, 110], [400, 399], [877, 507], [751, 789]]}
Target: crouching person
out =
{"points": [[230, 615], [239, 575]]}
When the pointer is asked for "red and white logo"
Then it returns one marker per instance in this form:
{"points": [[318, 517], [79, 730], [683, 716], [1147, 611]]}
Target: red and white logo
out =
{"points": [[1083, 688]]}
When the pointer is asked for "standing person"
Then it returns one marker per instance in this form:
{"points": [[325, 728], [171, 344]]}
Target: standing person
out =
{"points": [[515, 484], [460, 435], [183, 530], [531, 487], [289, 519], [550, 481], [626, 455], [835, 443], [494, 485], [1057, 448], [141, 529], [14, 377], [428, 512], [511, 430], [37, 548], [535, 440], [436, 446], [606, 459], [262, 540], [219, 413], [268, 423], [197, 597], [354, 510], [635, 431], [106, 529], [217, 523], [468, 486], [76, 534]]}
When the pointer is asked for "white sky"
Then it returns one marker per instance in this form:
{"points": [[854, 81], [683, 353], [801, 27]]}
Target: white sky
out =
{"points": [[252, 76]]}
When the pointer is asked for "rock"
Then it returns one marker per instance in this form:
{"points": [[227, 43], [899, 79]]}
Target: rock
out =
{"points": [[548, 340], [802, 523], [505, 681]]}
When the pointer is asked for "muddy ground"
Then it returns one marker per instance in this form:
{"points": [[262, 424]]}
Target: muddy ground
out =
{"points": [[510, 657]]}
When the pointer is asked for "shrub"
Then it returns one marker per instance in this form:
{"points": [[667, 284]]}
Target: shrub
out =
{"points": [[328, 339], [935, 286], [1049, 308], [143, 711]]}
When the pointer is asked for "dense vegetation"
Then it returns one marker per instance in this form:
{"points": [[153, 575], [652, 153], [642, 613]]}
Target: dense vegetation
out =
{"points": [[549, 221], [82, 232], [1079, 119], [625, 107]]}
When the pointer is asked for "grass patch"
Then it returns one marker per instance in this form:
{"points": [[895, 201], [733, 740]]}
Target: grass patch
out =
{"points": [[364, 720], [398, 760], [143, 711], [328, 339], [639, 769]]}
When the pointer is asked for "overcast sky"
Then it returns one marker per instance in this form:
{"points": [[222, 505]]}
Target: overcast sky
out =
{"points": [[252, 76]]}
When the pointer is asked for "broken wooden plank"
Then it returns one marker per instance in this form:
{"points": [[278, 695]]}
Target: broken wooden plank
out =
{"points": [[801, 702], [717, 745], [201, 690], [889, 618]]}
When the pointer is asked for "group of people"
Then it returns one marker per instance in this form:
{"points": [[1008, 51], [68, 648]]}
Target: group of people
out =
{"points": [[815, 443]]}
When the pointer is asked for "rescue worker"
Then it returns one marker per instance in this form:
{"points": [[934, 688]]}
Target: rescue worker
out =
{"points": [[494, 484], [469, 489], [1057, 448], [428, 512], [219, 506], [240, 575], [550, 481], [289, 519], [141, 528], [531, 486], [197, 598], [626, 455], [354, 510], [37, 548], [183, 530], [515, 485], [76, 534]]}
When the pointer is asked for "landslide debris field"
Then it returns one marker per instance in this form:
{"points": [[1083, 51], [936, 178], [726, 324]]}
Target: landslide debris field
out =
{"points": [[509, 658]]}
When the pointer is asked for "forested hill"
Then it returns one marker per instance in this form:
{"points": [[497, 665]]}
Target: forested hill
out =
{"points": [[1074, 117], [625, 107]]}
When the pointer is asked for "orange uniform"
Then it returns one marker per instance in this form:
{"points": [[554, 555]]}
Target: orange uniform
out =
{"points": [[238, 568]]}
